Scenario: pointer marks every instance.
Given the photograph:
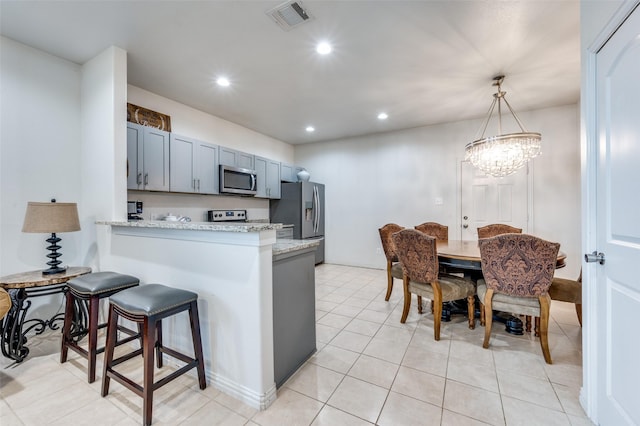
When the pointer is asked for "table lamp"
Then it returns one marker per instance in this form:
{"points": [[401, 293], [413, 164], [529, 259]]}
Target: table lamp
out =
{"points": [[51, 218]]}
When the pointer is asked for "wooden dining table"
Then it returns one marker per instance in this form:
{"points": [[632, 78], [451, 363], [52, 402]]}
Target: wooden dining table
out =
{"points": [[464, 256]]}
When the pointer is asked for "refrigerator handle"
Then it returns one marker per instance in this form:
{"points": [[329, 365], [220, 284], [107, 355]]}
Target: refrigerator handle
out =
{"points": [[317, 195]]}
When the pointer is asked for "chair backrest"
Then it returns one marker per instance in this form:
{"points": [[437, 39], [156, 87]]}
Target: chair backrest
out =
{"points": [[417, 254], [433, 229], [497, 229], [518, 264], [387, 243]]}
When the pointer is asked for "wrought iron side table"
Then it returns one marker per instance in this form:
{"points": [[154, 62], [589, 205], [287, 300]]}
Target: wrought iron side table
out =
{"points": [[21, 287]]}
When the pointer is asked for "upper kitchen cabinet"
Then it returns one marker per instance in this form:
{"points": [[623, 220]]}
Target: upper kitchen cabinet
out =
{"points": [[148, 158], [193, 166], [268, 178], [289, 172], [231, 157]]}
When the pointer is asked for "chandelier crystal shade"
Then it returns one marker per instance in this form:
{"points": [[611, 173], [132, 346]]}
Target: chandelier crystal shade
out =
{"points": [[503, 154]]}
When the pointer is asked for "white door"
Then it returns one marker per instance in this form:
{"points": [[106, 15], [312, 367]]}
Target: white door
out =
{"points": [[485, 199], [617, 281]]}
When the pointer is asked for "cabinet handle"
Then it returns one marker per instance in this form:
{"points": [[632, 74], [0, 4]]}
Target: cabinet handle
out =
{"points": [[193, 185], [146, 178], [198, 184], [139, 179]]}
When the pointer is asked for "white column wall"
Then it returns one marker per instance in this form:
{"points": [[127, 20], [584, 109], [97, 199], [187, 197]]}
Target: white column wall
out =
{"points": [[396, 177], [104, 147]]}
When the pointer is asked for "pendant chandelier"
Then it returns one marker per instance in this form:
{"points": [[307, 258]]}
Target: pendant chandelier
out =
{"points": [[503, 154]]}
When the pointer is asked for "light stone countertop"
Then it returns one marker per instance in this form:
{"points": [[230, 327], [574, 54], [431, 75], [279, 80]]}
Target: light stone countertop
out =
{"points": [[194, 226], [286, 246]]}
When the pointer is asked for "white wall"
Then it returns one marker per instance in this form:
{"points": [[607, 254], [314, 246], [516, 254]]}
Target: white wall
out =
{"points": [[39, 150], [396, 176]]}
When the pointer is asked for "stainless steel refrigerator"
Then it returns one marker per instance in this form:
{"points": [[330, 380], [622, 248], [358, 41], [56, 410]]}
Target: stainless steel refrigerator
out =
{"points": [[302, 205]]}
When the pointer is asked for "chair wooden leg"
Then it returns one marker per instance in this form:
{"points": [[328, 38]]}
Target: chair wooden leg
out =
{"points": [[431, 306], [471, 304], [147, 351], [545, 302], [419, 304], [407, 299], [158, 344], [488, 317], [437, 314], [527, 326], [112, 330], [482, 320], [197, 343], [66, 327], [389, 281], [579, 312], [94, 307], [536, 327]]}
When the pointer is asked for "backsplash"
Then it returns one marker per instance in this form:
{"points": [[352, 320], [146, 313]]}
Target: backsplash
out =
{"points": [[157, 205]]}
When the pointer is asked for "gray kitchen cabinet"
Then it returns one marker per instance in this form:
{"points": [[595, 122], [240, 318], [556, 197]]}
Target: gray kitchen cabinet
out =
{"points": [[268, 178], [294, 307], [289, 172], [232, 157], [147, 158], [193, 166]]}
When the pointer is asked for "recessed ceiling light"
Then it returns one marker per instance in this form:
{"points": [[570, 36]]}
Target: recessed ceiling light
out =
{"points": [[383, 116], [323, 48], [310, 129], [223, 81]]}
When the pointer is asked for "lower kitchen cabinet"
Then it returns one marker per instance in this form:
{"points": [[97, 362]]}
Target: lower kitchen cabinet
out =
{"points": [[294, 311]]}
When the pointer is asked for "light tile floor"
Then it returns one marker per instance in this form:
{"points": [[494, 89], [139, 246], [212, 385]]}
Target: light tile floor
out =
{"points": [[369, 369]]}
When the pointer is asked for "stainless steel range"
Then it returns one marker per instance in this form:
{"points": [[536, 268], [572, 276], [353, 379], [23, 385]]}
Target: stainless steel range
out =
{"points": [[227, 216]]}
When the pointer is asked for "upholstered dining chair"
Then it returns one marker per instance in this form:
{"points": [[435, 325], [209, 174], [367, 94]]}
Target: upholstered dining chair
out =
{"points": [[497, 229], [517, 272], [433, 229], [394, 270], [566, 290], [419, 260]]}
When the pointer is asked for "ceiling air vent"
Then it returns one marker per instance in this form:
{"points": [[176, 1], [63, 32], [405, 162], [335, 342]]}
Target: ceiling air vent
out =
{"points": [[289, 15]]}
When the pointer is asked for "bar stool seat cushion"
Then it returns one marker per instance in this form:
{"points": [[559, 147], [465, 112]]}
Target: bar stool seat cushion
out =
{"points": [[152, 299], [101, 282]]}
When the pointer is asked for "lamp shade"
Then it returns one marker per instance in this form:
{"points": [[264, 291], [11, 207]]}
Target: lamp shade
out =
{"points": [[51, 218]]}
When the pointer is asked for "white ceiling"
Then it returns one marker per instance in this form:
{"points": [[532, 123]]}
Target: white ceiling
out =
{"points": [[423, 62]]}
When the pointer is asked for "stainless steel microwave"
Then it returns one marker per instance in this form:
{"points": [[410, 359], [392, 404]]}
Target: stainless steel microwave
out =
{"points": [[236, 180]]}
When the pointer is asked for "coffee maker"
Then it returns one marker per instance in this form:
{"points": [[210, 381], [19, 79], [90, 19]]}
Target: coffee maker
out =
{"points": [[134, 209]]}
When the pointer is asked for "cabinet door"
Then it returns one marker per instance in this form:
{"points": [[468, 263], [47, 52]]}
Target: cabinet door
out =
{"points": [[228, 156], [286, 172], [134, 156], [244, 160], [182, 168], [207, 161], [273, 179], [261, 177], [155, 160]]}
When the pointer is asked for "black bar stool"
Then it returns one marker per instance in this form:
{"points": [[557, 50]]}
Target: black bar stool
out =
{"points": [[147, 305], [90, 289]]}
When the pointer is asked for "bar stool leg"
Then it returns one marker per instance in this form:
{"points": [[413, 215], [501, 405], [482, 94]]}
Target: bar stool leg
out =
{"points": [[197, 343], [108, 350], [150, 334], [158, 344], [66, 327], [94, 304]]}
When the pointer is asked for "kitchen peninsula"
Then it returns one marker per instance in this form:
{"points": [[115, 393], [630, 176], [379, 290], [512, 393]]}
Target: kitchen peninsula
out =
{"points": [[230, 266]]}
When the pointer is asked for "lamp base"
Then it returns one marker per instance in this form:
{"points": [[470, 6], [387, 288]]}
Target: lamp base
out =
{"points": [[54, 270]]}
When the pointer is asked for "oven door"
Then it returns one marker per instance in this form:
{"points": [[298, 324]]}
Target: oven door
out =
{"points": [[236, 180]]}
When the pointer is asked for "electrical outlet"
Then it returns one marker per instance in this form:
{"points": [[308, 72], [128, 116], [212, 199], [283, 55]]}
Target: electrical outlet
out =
{"points": [[378, 250], [439, 201]]}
